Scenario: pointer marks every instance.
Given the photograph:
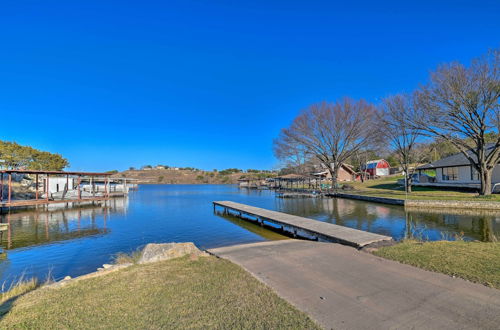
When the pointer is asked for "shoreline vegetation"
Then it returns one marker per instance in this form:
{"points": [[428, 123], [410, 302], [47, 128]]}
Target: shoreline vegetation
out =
{"points": [[191, 176], [389, 188], [199, 290], [185, 292]]}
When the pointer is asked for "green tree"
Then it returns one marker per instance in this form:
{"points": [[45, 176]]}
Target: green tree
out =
{"points": [[16, 156]]}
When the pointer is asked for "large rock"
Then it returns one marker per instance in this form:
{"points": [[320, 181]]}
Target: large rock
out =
{"points": [[157, 252]]}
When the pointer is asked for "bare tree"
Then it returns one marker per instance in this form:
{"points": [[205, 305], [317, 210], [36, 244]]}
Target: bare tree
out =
{"points": [[359, 160], [332, 132], [292, 154], [401, 134], [461, 105]]}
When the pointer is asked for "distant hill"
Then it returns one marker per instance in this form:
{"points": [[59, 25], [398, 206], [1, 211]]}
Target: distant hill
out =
{"points": [[170, 176]]}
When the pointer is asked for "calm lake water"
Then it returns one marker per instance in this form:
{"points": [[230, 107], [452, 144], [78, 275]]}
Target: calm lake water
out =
{"points": [[79, 240]]}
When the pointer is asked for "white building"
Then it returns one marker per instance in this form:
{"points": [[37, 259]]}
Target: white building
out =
{"points": [[457, 171], [58, 184]]}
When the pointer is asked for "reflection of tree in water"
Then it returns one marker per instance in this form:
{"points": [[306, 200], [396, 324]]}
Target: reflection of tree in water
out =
{"points": [[338, 211], [41, 227], [480, 227], [487, 230], [393, 220]]}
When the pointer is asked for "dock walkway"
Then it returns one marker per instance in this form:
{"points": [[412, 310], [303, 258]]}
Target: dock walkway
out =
{"points": [[305, 227], [343, 288]]}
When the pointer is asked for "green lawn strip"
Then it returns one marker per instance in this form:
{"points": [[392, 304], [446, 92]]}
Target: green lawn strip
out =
{"points": [[388, 188], [475, 261], [180, 293]]}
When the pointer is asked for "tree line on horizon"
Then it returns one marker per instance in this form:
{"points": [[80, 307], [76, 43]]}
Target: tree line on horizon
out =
{"points": [[16, 156], [226, 171], [458, 109]]}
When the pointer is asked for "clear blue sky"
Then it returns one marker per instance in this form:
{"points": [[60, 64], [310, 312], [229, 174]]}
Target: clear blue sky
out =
{"points": [[209, 84]]}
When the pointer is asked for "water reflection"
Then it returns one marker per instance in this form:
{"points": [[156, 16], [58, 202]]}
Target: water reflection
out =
{"points": [[265, 232], [53, 224], [478, 224], [76, 241], [395, 221]]}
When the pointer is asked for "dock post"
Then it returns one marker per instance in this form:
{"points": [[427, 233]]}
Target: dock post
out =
{"points": [[36, 186], [10, 188], [106, 188], [67, 186], [1, 187], [79, 189], [47, 189]]}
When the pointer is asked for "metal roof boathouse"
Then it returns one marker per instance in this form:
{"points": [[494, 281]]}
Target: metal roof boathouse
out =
{"points": [[22, 188]]}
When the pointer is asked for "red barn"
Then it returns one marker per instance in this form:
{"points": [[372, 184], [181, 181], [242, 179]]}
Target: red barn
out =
{"points": [[379, 167]]}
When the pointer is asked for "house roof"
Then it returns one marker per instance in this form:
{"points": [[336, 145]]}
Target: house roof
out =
{"points": [[373, 163], [457, 159], [292, 177], [348, 168], [376, 161]]}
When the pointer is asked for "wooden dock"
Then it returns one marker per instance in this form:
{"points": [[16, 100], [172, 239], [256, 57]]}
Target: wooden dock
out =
{"points": [[304, 227]]}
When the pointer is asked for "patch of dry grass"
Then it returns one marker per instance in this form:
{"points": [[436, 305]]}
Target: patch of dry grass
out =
{"points": [[127, 258], [18, 288], [15, 290], [179, 293]]}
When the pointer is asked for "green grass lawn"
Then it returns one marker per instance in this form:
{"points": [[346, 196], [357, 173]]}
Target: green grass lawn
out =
{"points": [[179, 293], [474, 261], [388, 188]]}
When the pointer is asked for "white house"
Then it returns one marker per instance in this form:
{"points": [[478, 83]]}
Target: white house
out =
{"points": [[456, 171]]}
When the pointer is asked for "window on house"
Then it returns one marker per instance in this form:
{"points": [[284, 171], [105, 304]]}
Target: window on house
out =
{"points": [[450, 174], [474, 176]]}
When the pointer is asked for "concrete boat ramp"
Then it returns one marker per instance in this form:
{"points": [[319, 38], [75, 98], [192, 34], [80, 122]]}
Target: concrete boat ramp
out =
{"points": [[304, 227], [343, 288]]}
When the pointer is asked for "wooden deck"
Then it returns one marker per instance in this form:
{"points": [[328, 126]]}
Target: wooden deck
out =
{"points": [[34, 202], [304, 227]]}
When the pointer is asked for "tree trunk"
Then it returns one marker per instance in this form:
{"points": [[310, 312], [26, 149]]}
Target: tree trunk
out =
{"points": [[408, 185], [334, 173], [335, 177], [409, 180], [485, 175]]}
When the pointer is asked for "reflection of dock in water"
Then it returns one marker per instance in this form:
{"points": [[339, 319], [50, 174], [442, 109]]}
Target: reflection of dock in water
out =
{"points": [[33, 227], [483, 225], [269, 233]]}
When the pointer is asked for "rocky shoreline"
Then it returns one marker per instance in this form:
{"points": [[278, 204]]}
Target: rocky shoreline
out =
{"points": [[152, 252]]}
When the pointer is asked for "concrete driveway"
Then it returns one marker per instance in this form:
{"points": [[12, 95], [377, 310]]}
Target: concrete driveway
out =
{"points": [[343, 288]]}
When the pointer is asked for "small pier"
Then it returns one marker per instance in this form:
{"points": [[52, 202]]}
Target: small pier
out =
{"points": [[298, 193], [303, 227]]}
